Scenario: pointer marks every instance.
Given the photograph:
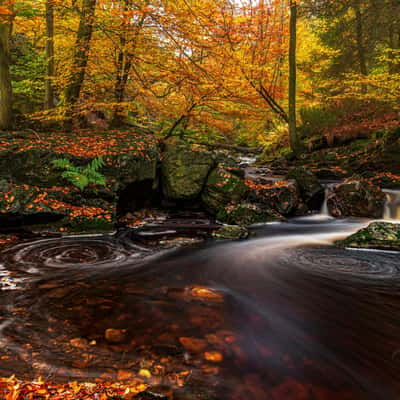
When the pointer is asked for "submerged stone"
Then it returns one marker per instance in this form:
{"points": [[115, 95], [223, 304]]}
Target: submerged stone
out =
{"points": [[231, 232], [246, 214]]}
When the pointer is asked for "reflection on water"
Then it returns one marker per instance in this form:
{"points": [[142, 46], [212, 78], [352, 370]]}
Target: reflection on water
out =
{"points": [[282, 316]]}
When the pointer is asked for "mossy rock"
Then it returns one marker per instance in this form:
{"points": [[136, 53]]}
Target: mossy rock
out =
{"points": [[246, 214], [356, 197], [378, 235], [310, 189], [231, 232], [32, 167], [184, 170], [222, 188], [283, 197]]}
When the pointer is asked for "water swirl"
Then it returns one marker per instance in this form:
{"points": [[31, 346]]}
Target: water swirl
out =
{"points": [[72, 252]]}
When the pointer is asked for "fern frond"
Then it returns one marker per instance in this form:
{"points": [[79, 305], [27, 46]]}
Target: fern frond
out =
{"points": [[62, 163]]}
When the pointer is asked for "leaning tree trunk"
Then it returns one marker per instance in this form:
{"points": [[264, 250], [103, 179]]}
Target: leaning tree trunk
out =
{"points": [[80, 60], [294, 141], [5, 77], [49, 93]]}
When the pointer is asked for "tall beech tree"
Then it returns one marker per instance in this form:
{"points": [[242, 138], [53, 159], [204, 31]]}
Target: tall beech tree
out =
{"points": [[80, 59], [132, 21], [294, 140], [6, 15], [50, 63]]}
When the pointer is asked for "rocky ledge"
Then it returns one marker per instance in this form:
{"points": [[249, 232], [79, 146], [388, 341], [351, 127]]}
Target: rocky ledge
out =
{"points": [[142, 173]]}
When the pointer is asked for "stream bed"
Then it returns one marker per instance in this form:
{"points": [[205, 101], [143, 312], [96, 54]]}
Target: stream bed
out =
{"points": [[284, 315]]}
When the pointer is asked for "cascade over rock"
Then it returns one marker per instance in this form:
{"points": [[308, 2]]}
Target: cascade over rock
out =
{"points": [[310, 189], [356, 197]]}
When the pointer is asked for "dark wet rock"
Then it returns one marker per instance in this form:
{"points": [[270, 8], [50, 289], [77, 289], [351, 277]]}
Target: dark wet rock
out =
{"points": [[356, 197], [246, 214], [283, 197], [184, 170], [310, 189], [222, 188], [115, 336], [378, 235], [231, 232], [331, 174]]}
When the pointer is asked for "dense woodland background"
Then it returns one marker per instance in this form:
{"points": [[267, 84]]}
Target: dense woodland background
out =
{"points": [[211, 70]]}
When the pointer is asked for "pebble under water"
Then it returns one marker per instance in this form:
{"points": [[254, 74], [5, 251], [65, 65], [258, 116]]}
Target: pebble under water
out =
{"points": [[285, 315]]}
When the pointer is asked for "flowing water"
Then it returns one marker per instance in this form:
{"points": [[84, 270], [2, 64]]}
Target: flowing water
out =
{"points": [[392, 207], [285, 315]]}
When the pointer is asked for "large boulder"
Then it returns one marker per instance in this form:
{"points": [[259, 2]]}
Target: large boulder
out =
{"points": [[246, 214], [356, 197], [184, 170], [284, 197], [378, 235], [222, 188], [311, 190]]}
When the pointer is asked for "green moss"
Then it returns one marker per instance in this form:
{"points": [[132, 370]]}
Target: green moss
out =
{"points": [[379, 235], [222, 188], [246, 214], [185, 170]]}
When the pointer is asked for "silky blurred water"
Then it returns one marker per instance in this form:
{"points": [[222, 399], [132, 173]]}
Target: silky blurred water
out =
{"points": [[285, 315]]}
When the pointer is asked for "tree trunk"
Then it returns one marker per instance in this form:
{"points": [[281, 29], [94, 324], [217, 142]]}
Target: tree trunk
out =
{"points": [[123, 69], [394, 36], [49, 94], [80, 60], [294, 141], [124, 61], [5, 78], [362, 60]]}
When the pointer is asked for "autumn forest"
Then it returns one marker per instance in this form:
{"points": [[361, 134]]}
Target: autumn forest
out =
{"points": [[199, 199]]}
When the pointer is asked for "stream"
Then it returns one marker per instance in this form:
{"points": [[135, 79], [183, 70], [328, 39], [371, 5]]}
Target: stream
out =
{"points": [[284, 315]]}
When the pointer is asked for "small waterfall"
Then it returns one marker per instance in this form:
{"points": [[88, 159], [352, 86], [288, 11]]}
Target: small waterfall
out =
{"points": [[324, 209], [392, 206]]}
